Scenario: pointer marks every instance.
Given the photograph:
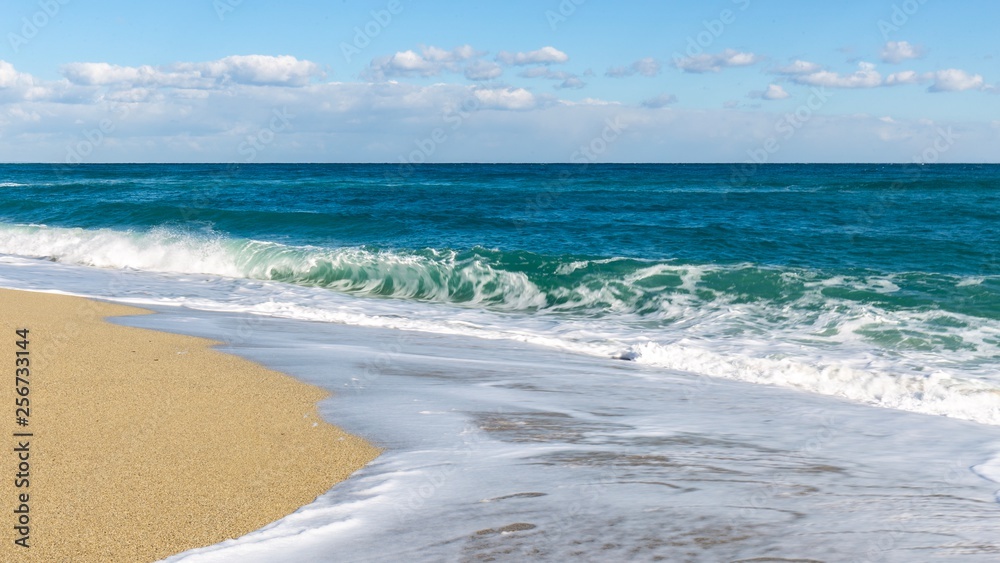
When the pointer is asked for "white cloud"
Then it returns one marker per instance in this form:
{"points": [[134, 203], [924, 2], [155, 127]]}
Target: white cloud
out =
{"points": [[378, 122], [430, 61], [138, 95], [11, 78], [538, 72], [483, 70], [160, 113], [240, 69], [568, 79], [16, 86], [898, 51], [505, 98], [590, 102], [905, 77], [773, 92], [661, 101], [954, 80], [545, 56], [949, 80], [545, 72], [261, 69], [571, 83], [619, 72], [798, 67], [706, 62], [865, 77], [23, 115], [648, 67], [102, 74], [438, 55], [406, 62]]}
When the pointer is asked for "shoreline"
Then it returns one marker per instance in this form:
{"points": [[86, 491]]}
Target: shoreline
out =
{"points": [[145, 444]]}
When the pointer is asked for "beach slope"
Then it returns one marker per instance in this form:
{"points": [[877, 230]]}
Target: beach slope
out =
{"points": [[145, 444]]}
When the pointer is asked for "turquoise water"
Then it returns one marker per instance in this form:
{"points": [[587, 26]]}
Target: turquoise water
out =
{"points": [[830, 278], [933, 219], [472, 319]]}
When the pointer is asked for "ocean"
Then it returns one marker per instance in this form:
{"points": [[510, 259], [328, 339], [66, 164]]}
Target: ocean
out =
{"points": [[592, 362]]}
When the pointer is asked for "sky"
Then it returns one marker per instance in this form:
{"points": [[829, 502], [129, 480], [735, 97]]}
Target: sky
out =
{"points": [[516, 81]]}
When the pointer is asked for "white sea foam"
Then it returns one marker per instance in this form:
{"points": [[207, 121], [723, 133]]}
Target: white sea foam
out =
{"points": [[578, 444], [927, 361]]}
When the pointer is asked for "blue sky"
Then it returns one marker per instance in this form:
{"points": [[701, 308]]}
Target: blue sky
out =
{"points": [[541, 80]]}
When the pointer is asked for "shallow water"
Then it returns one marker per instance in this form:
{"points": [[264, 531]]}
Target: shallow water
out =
{"points": [[512, 450], [580, 362], [875, 283]]}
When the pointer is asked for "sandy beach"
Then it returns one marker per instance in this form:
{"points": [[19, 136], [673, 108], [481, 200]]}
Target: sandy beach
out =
{"points": [[145, 444]]}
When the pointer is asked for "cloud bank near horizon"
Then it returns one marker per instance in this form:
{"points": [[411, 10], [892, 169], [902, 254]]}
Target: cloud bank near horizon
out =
{"points": [[439, 104]]}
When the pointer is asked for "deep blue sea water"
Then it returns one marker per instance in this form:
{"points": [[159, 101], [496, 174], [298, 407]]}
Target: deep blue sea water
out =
{"points": [[487, 308], [823, 277]]}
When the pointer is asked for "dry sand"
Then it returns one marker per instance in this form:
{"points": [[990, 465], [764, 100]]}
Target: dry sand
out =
{"points": [[147, 444]]}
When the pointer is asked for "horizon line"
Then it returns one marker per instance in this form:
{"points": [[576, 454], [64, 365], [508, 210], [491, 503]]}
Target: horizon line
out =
{"points": [[507, 163]]}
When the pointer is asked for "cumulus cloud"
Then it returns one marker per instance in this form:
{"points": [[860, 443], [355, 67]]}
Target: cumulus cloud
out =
{"points": [[567, 79], [954, 80], [483, 70], [539, 72], [648, 67], [259, 69], [661, 101], [948, 80], [798, 67], [707, 62], [102, 74], [239, 69], [590, 102], [438, 55], [896, 52], [430, 61], [11, 78], [545, 72], [905, 77], [773, 92], [433, 61], [865, 77], [18, 86], [545, 56], [405, 62], [378, 122], [207, 111], [505, 98], [571, 83]]}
